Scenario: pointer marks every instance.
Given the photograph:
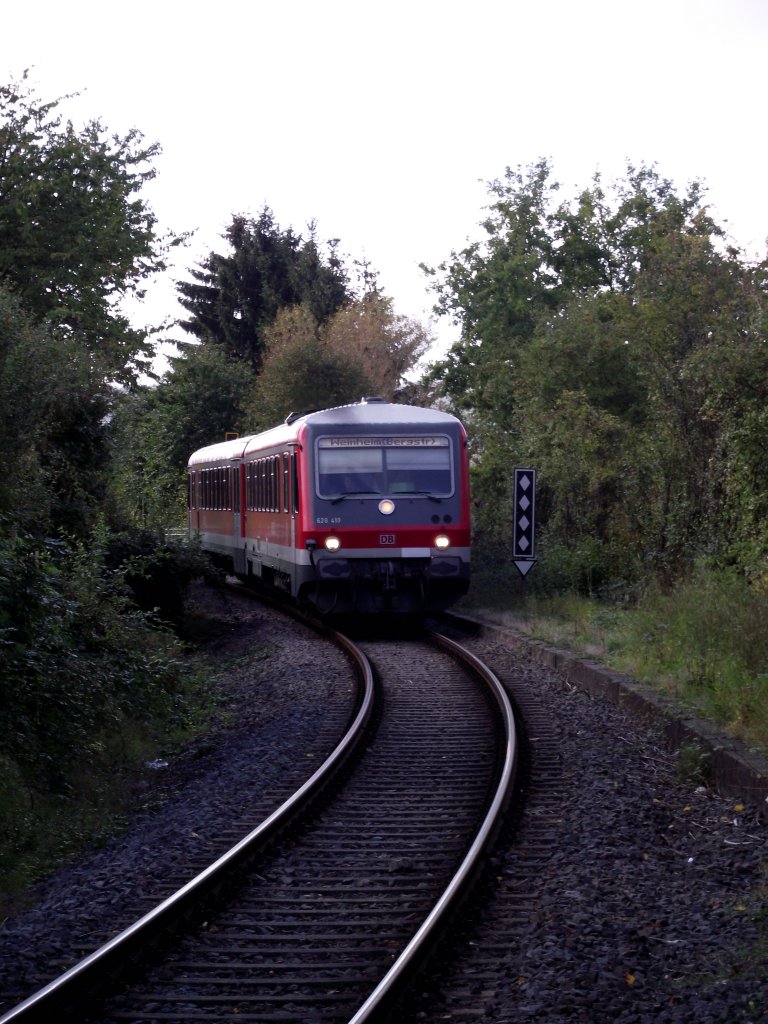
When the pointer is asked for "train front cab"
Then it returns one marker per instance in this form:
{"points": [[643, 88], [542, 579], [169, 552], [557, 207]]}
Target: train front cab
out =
{"points": [[386, 527]]}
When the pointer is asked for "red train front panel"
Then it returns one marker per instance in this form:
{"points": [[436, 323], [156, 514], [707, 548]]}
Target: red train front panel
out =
{"points": [[386, 524]]}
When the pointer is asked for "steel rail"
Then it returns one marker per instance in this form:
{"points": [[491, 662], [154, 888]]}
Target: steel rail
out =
{"points": [[381, 1003], [64, 994]]}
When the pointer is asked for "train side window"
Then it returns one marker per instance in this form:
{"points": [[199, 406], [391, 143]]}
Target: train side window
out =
{"points": [[286, 482], [295, 481]]}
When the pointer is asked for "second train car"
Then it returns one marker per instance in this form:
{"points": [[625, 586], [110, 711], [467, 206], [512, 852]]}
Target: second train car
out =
{"points": [[363, 508]]}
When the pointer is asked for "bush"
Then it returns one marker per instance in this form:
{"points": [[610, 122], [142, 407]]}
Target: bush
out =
{"points": [[156, 571], [77, 657], [708, 638]]}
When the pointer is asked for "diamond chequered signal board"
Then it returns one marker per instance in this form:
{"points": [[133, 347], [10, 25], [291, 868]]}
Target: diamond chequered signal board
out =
{"points": [[524, 530]]}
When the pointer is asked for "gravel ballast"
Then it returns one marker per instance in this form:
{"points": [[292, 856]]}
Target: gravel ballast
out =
{"points": [[283, 698], [652, 906]]}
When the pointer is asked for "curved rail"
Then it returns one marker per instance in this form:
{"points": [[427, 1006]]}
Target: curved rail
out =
{"points": [[381, 1001], [64, 993]]}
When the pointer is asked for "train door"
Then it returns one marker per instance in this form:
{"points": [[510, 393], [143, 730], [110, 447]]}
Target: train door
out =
{"points": [[292, 480], [237, 504], [193, 503], [287, 492]]}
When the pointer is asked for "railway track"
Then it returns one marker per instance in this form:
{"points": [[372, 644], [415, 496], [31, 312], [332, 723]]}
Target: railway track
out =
{"points": [[332, 920]]}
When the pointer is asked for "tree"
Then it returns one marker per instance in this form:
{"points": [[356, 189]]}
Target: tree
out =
{"points": [[157, 429], [590, 333], [53, 428], [301, 378], [495, 291], [364, 349], [383, 344], [75, 235], [233, 299]]}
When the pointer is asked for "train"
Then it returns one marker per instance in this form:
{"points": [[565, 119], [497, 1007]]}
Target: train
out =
{"points": [[364, 508]]}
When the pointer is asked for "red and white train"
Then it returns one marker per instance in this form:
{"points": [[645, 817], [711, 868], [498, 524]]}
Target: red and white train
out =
{"points": [[364, 508]]}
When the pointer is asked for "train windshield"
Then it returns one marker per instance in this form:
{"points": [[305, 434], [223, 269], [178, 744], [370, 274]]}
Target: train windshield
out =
{"points": [[384, 465]]}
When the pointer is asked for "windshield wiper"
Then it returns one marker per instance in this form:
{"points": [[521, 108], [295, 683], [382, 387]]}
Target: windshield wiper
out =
{"points": [[419, 494], [397, 494], [348, 494]]}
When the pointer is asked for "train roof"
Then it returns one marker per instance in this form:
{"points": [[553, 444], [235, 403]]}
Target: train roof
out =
{"points": [[232, 449], [368, 413], [375, 412]]}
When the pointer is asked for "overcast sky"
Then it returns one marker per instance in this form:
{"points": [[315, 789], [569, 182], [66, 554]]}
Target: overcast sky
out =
{"points": [[383, 121]]}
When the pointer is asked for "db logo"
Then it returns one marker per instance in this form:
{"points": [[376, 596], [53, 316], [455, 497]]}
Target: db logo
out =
{"points": [[386, 538]]}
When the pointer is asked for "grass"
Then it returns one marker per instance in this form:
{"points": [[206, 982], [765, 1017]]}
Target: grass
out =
{"points": [[704, 644]]}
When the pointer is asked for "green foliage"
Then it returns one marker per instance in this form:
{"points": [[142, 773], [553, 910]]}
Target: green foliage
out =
{"points": [[364, 349], [584, 350], [77, 658], [617, 344], [75, 235], [76, 238], [232, 299], [28, 372], [157, 572], [304, 377], [694, 765], [90, 687], [706, 642], [157, 428], [53, 428], [703, 642]]}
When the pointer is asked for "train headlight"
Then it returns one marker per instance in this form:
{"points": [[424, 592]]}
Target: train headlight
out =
{"points": [[386, 506], [332, 543], [442, 542]]}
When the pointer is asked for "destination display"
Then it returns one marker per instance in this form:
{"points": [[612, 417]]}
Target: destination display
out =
{"points": [[383, 442]]}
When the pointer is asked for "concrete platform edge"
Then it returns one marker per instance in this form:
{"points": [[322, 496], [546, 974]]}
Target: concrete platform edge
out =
{"points": [[732, 769]]}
